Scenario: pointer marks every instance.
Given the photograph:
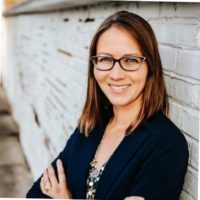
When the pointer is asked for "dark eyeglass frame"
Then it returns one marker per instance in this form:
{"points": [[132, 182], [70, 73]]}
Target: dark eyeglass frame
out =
{"points": [[118, 61]]}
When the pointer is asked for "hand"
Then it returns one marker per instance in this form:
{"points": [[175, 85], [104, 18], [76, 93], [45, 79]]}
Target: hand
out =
{"points": [[52, 187]]}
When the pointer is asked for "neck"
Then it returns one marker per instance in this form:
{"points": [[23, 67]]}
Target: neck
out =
{"points": [[125, 115]]}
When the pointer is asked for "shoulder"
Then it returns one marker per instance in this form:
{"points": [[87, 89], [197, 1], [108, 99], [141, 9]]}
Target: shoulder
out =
{"points": [[76, 136], [165, 131], [74, 142], [158, 123]]}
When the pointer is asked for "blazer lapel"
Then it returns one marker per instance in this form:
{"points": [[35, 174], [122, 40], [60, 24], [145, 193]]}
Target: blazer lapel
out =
{"points": [[88, 148], [119, 159]]}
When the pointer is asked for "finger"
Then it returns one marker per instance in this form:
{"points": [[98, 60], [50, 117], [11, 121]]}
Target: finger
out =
{"points": [[61, 173], [52, 176], [46, 180], [42, 186]]}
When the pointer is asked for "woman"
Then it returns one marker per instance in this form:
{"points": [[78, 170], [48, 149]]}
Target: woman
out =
{"points": [[124, 147]]}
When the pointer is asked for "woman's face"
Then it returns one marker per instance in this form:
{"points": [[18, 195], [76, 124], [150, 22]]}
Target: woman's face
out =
{"points": [[121, 87]]}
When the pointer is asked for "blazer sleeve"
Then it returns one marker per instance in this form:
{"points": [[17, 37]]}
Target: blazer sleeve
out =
{"points": [[162, 175], [35, 191]]}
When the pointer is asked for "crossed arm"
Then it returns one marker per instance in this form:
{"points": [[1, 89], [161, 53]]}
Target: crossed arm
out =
{"points": [[53, 187], [57, 188]]}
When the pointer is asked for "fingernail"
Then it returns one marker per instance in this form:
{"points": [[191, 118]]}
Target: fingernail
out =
{"points": [[59, 161]]}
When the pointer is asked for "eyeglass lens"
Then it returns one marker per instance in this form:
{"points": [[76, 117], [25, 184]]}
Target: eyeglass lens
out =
{"points": [[131, 63]]}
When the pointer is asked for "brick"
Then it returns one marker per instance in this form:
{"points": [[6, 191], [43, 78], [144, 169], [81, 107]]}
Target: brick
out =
{"points": [[184, 36], [191, 182], [101, 11], [168, 57], [73, 14], [183, 91], [187, 119], [179, 10], [168, 9], [193, 151], [186, 196], [198, 39], [147, 10], [188, 63], [184, 10]]}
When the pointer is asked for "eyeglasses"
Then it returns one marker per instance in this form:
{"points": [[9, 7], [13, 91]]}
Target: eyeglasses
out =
{"points": [[127, 63]]}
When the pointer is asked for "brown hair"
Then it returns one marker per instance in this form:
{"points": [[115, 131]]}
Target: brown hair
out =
{"points": [[154, 95]]}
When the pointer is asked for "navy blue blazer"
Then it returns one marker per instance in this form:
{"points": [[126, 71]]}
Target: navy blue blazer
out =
{"points": [[151, 162]]}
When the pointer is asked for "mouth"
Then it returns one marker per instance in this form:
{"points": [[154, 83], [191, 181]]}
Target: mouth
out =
{"points": [[119, 89]]}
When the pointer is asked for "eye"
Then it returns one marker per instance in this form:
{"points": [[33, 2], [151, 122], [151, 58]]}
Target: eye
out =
{"points": [[105, 59], [132, 60]]}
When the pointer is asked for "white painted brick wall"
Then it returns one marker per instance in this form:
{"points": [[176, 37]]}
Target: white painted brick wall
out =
{"points": [[45, 72]]}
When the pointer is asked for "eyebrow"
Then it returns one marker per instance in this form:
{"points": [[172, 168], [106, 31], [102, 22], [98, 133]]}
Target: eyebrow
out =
{"points": [[109, 54]]}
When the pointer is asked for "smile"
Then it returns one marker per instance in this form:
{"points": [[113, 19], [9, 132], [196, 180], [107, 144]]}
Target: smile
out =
{"points": [[119, 88]]}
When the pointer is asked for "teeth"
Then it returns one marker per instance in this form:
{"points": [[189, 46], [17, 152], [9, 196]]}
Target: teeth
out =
{"points": [[119, 89]]}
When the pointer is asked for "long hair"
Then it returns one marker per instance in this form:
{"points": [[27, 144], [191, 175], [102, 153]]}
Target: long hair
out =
{"points": [[154, 94]]}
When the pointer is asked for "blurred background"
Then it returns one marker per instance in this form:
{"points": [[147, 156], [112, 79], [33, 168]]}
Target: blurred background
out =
{"points": [[43, 69], [9, 3]]}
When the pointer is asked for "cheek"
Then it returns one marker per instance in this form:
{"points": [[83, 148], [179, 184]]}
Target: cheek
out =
{"points": [[140, 79], [99, 76], [140, 76], [96, 75]]}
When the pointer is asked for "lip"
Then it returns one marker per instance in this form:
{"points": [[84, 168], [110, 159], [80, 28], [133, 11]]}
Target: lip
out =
{"points": [[119, 88]]}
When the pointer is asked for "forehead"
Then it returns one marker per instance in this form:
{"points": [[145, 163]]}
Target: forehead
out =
{"points": [[117, 41]]}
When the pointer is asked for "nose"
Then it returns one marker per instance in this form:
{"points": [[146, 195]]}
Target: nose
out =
{"points": [[116, 72]]}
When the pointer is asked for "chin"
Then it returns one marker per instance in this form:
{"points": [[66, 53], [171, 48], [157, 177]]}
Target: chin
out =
{"points": [[119, 102]]}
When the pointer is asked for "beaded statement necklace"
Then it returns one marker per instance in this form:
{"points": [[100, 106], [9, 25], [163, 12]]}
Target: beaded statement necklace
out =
{"points": [[94, 175]]}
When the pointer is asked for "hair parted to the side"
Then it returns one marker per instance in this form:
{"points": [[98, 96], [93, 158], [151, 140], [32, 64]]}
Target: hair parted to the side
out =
{"points": [[154, 95]]}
